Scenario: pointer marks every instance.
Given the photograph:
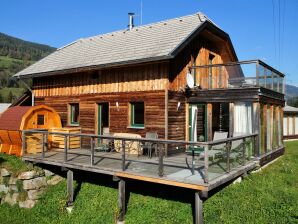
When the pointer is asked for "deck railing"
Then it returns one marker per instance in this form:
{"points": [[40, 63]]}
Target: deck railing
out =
{"points": [[216, 157], [253, 73]]}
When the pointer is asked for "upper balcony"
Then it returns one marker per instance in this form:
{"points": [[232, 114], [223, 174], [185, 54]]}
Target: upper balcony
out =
{"points": [[243, 74]]}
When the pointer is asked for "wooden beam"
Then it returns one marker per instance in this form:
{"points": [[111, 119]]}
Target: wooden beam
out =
{"points": [[121, 200], [198, 219], [162, 181], [70, 191], [209, 121]]}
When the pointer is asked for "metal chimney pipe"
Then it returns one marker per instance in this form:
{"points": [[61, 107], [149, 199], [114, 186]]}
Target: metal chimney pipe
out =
{"points": [[130, 20]]}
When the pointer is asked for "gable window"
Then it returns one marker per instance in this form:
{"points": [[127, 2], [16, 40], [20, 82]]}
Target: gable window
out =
{"points": [[40, 119], [137, 114], [74, 114]]}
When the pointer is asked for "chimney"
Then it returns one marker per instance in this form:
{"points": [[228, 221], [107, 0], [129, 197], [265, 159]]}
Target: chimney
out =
{"points": [[130, 20]]}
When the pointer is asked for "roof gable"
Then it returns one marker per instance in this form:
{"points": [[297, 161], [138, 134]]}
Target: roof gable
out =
{"points": [[144, 43]]}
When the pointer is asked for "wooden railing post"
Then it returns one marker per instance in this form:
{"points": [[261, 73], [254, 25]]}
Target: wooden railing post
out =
{"points": [[92, 150], [65, 147], [160, 161], [23, 142], [206, 162], [123, 155]]}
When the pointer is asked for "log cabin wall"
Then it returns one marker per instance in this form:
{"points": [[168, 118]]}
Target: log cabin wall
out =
{"points": [[154, 102], [176, 116], [198, 53], [145, 77]]}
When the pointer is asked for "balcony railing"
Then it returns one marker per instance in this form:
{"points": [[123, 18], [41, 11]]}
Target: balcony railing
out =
{"points": [[254, 73]]}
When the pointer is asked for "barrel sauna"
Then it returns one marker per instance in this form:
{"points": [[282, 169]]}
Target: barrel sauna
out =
{"points": [[18, 118]]}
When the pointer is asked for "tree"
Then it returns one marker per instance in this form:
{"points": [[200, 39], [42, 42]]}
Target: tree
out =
{"points": [[10, 97]]}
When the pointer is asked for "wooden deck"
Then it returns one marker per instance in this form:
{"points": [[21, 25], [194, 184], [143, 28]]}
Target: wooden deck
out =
{"points": [[177, 169]]}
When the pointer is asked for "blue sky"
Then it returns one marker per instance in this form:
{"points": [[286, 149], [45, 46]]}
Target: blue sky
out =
{"points": [[256, 30]]}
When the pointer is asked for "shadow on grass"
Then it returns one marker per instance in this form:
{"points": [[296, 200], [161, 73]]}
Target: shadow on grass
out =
{"points": [[133, 186]]}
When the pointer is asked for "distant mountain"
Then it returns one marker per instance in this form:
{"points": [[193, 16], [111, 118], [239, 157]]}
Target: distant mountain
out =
{"points": [[291, 91], [15, 55], [24, 50]]}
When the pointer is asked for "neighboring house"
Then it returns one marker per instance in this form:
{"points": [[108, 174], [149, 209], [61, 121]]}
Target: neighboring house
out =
{"points": [[290, 129], [3, 107], [135, 81]]}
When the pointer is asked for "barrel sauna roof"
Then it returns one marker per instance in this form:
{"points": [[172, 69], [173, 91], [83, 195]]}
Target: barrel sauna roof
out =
{"points": [[11, 119], [152, 42]]}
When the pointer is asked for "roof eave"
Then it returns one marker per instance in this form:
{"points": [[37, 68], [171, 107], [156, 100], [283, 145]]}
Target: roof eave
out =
{"points": [[93, 67], [200, 28]]}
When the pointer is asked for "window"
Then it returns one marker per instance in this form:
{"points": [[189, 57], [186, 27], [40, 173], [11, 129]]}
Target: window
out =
{"points": [[40, 119], [137, 114], [74, 114]]}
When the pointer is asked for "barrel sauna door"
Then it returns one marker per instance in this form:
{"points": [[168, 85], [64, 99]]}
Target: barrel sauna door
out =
{"points": [[197, 122]]}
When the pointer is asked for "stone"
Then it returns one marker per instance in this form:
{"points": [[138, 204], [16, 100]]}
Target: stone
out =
{"points": [[54, 180], [5, 172], [27, 175], [238, 180], [11, 199], [3, 189], [35, 194], [12, 181], [27, 204], [13, 188], [48, 173], [35, 183]]}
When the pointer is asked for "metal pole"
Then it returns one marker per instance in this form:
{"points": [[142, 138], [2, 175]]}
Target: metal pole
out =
{"points": [[23, 143], [229, 145], [92, 150], [42, 145], [123, 155], [244, 148], [160, 161], [65, 147], [206, 162]]}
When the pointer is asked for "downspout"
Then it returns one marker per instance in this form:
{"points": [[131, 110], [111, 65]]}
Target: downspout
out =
{"points": [[28, 87]]}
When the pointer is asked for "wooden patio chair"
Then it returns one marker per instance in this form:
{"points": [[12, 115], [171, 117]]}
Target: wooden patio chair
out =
{"points": [[149, 146]]}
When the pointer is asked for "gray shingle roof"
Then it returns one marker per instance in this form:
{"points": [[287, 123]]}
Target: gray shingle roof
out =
{"points": [[290, 109], [153, 41]]}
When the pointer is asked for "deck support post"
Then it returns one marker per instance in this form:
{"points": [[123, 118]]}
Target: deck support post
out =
{"points": [[198, 219], [121, 200], [70, 191]]}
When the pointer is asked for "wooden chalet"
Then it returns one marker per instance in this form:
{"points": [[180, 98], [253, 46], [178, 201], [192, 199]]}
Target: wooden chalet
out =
{"points": [[180, 78]]}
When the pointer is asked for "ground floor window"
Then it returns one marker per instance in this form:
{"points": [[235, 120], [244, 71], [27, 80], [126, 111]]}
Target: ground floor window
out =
{"points": [[74, 114], [137, 114]]}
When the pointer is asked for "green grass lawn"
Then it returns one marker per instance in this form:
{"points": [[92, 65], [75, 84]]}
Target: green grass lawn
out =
{"points": [[269, 196]]}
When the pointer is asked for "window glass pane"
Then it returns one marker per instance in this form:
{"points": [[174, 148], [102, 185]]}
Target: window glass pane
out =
{"points": [[269, 127], [137, 113], [40, 119], [75, 113]]}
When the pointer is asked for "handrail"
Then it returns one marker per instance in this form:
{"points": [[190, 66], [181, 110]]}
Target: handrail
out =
{"points": [[215, 142], [159, 142]]}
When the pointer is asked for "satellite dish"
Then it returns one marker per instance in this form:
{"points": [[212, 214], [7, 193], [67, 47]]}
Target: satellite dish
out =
{"points": [[189, 80]]}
